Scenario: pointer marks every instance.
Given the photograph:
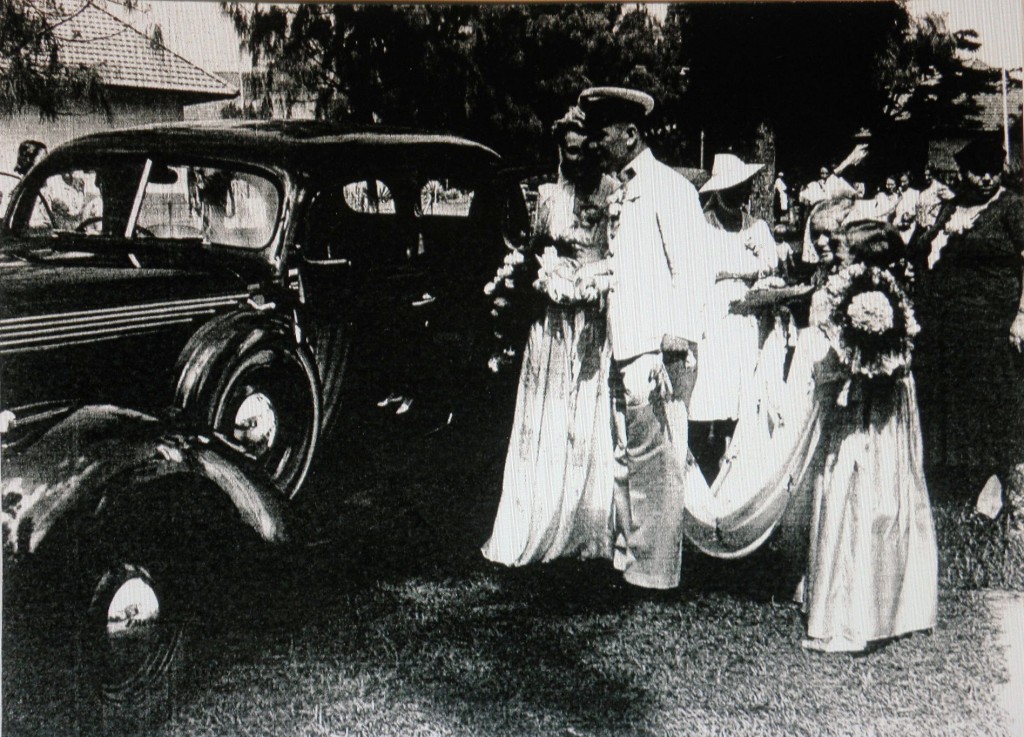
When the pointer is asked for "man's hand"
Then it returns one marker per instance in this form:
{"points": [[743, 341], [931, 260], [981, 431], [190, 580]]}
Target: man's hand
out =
{"points": [[1017, 332], [675, 344]]}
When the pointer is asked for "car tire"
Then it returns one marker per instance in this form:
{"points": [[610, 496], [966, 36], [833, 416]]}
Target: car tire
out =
{"points": [[131, 631], [254, 387]]}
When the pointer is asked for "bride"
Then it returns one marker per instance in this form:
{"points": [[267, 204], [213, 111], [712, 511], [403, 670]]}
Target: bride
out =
{"points": [[557, 490]]}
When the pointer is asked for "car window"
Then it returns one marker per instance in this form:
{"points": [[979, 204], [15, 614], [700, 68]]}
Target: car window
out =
{"points": [[217, 204], [344, 222], [369, 196], [68, 201], [445, 198]]}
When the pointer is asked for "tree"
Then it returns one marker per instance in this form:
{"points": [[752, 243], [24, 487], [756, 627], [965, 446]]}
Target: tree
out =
{"points": [[499, 73], [925, 77], [32, 75], [808, 76], [807, 72]]}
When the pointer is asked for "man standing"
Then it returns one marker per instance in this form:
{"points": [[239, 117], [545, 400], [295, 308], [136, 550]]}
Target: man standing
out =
{"points": [[661, 279], [780, 198]]}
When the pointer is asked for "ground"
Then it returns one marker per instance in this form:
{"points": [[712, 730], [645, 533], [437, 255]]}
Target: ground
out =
{"points": [[389, 622]]}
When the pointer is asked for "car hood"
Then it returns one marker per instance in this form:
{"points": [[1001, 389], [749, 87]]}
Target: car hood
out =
{"points": [[43, 283]]}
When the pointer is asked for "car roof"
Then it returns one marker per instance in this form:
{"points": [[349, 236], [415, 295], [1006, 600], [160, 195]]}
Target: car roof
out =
{"points": [[311, 146]]}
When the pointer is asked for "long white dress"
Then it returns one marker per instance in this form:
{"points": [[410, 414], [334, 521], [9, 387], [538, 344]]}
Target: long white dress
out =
{"points": [[557, 489], [843, 480], [728, 352]]}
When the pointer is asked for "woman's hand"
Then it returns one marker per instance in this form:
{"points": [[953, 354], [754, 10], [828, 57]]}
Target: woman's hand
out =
{"points": [[593, 280], [1017, 332]]}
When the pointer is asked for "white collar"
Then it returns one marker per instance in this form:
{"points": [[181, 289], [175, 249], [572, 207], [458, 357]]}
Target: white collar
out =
{"points": [[642, 161]]}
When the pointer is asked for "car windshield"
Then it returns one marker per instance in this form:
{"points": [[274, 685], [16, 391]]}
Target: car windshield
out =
{"points": [[118, 199]]}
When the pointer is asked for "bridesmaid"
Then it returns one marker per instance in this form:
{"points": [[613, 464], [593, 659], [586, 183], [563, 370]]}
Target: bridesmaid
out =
{"points": [[743, 251], [557, 489], [841, 479], [872, 568]]}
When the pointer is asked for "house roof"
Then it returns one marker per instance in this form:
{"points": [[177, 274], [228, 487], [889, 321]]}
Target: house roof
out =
{"points": [[126, 57], [990, 117]]}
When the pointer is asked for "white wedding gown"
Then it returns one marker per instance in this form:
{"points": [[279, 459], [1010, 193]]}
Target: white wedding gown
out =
{"points": [[770, 455]]}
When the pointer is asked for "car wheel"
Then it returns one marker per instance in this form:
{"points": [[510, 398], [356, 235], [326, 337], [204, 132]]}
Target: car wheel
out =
{"points": [[269, 405], [259, 392], [132, 646]]}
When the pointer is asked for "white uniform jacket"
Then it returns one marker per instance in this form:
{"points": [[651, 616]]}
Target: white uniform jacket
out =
{"points": [[659, 249]]}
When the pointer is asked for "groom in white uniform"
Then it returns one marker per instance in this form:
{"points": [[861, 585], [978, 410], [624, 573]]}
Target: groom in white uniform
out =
{"points": [[661, 279]]}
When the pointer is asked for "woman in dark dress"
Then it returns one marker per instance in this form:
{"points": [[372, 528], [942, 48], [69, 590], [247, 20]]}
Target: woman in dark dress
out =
{"points": [[971, 306]]}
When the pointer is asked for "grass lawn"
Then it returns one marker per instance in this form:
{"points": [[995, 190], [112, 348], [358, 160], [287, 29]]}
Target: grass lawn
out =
{"points": [[392, 625], [561, 655], [396, 626]]}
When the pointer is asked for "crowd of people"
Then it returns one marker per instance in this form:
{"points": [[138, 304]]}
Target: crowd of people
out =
{"points": [[684, 384], [903, 201]]}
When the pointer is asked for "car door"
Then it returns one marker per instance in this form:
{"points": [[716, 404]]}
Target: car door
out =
{"points": [[361, 273], [467, 218]]}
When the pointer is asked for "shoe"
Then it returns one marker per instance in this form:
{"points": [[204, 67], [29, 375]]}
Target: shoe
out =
{"points": [[442, 426], [835, 645], [404, 407], [390, 399]]}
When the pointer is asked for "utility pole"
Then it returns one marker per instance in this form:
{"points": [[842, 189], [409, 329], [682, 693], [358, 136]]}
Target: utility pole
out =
{"points": [[1006, 120]]}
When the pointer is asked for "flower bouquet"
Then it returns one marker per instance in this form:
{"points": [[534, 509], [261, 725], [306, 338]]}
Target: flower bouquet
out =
{"points": [[871, 322], [507, 322]]}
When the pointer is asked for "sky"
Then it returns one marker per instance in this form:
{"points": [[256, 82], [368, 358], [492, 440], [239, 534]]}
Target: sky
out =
{"points": [[999, 23], [200, 31]]}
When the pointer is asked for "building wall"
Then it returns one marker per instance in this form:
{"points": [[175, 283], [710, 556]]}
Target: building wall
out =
{"points": [[129, 107]]}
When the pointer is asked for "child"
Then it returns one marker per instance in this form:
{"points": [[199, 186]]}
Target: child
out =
{"points": [[872, 561]]}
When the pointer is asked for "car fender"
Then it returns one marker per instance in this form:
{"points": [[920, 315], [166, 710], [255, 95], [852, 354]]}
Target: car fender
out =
{"points": [[101, 451], [220, 339], [214, 373]]}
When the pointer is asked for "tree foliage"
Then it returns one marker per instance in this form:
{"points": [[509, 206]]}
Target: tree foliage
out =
{"points": [[811, 74], [807, 71], [925, 77], [501, 73], [32, 74]]}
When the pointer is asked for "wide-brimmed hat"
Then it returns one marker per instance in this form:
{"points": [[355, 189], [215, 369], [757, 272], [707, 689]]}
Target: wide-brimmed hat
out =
{"points": [[728, 171], [981, 155], [604, 105]]}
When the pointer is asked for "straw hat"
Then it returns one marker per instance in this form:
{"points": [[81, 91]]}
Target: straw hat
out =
{"points": [[728, 171]]}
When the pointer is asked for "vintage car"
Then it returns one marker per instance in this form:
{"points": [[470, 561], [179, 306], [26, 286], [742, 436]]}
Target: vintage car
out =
{"points": [[182, 309]]}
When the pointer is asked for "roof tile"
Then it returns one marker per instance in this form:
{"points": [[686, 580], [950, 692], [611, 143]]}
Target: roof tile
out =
{"points": [[126, 57]]}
